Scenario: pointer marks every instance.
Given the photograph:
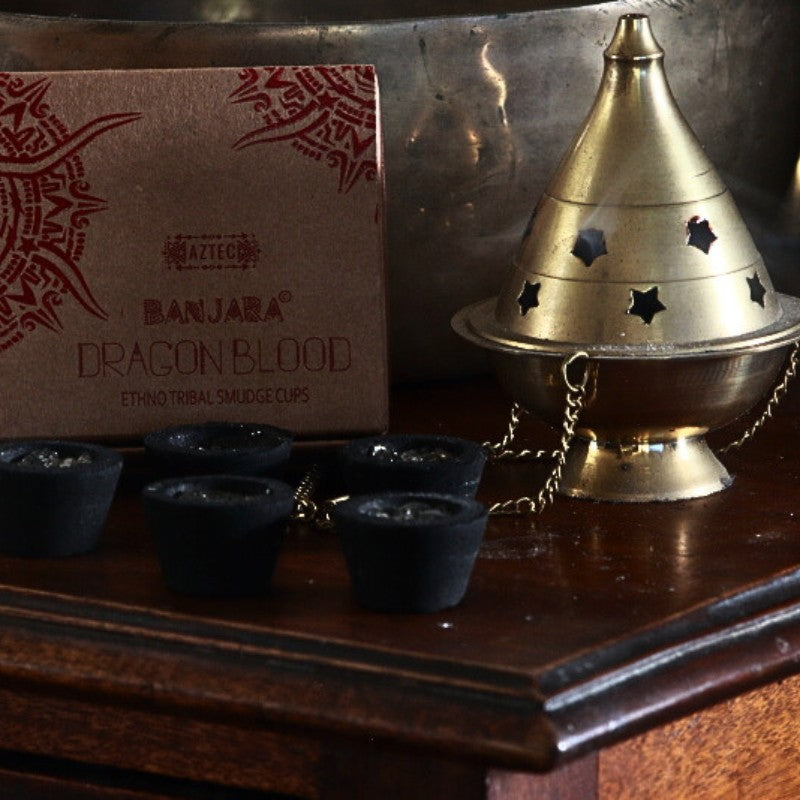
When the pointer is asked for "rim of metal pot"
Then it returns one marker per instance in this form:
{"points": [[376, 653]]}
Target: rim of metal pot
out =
{"points": [[283, 12]]}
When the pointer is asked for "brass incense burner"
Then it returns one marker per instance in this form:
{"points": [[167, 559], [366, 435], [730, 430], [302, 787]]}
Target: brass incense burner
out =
{"points": [[637, 256]]}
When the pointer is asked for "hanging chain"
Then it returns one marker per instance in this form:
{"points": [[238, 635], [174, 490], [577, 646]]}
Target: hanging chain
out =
{"points": [[777, 395], [575, 400], [501, 451], [305, 509]]}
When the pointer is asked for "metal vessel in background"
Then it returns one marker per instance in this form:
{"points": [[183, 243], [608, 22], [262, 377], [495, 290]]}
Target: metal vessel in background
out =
{"points": [[636, 256], [479, 102]]}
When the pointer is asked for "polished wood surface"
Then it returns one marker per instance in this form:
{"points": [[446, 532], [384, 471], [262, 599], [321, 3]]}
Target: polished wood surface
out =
{"points": [[582, 627], [746, 747]]}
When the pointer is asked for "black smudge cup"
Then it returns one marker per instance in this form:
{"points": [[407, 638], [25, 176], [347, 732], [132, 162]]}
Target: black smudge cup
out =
{"points": [[409, 551], [218, 535], [55, 495], [217, 448], [412, 463]]}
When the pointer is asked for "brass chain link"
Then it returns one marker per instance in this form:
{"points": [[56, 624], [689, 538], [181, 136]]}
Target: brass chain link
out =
{"points": [[501, 451], [305, 509], [575, 400], [777, 395]]}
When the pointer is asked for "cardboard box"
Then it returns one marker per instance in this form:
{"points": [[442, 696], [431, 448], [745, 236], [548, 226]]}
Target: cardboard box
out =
{"points": [[191, 245]]}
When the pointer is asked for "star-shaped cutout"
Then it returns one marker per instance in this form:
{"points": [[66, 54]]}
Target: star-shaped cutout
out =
{"points": [[645, 304], [700, 234], [529, 297], [757, 290], [590, 244]]}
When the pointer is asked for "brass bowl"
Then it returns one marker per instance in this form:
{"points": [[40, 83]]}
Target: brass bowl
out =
{"points": [[641, 434]]}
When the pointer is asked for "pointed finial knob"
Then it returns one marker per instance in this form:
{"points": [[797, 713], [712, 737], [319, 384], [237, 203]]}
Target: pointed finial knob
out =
{"points": [[633, 40]]}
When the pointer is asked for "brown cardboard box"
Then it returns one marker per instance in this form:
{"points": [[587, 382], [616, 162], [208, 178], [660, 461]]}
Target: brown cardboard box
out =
{"points": [[191, 245]]}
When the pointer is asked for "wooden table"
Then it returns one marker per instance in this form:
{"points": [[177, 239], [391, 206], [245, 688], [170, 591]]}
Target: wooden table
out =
{"points": [[602, 650]]}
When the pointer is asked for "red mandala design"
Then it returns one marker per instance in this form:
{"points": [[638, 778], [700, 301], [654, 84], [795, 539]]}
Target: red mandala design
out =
{"points": [[45, 203], [325, 112]]}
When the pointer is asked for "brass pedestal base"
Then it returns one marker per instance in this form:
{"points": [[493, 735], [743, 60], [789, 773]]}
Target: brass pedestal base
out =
{"points": [[672, 470]]}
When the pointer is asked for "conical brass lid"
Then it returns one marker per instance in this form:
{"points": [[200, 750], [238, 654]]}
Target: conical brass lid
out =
{"points": [[636, 246]]}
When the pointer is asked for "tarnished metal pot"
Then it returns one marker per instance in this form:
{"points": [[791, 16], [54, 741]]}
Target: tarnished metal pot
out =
{"points": [[478, 108]]}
